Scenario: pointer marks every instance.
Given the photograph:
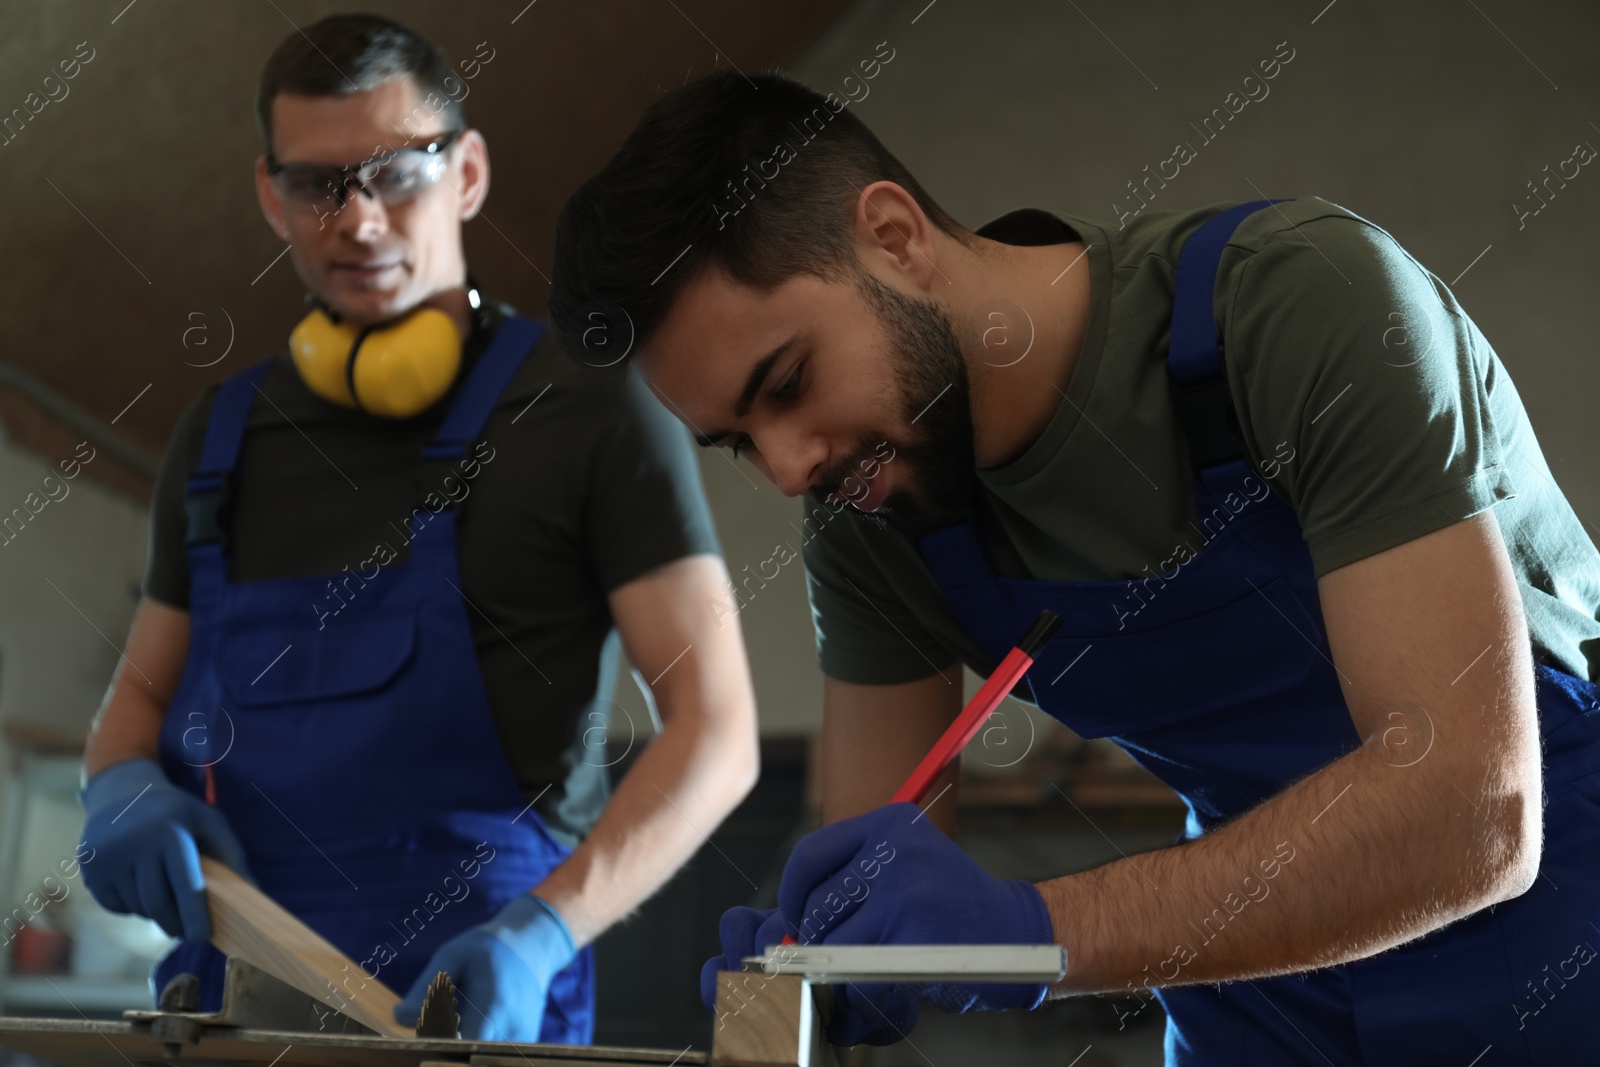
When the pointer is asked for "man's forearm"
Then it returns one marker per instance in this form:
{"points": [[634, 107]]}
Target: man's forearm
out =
{"points": [[127, 727], [1360, 856], [685, 783], [128, 724]]}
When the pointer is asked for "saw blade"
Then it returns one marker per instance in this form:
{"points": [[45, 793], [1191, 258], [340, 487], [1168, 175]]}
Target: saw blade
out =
{"points": [[439, 1017]]}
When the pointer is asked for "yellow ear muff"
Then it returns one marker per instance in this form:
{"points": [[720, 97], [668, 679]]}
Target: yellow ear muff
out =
{"points": [[402, 369], [320, 348], [395, 371]]}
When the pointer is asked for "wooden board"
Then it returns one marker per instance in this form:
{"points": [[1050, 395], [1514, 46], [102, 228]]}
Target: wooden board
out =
{"points": [[768, 1021], [78, 1043], [248, 924]]}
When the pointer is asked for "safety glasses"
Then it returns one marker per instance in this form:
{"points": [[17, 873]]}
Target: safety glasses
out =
{"points": [[392, 176]]}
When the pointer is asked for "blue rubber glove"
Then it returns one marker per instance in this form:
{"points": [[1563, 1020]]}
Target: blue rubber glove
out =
{"points": [[501, 970], [890, 877], [144, 837]]}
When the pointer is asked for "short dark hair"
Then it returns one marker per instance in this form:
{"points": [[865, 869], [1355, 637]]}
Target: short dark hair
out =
{"points": [[344, 54], [692, 187]]}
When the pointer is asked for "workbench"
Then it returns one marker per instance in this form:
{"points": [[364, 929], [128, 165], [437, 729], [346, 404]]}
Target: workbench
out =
{"points": [[772, 1014]]}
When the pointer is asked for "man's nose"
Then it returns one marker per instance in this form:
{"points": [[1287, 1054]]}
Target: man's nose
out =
{"points": [[791, 461], [363, 217]]}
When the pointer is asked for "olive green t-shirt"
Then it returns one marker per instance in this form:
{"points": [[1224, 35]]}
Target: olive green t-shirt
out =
{"points": [[1364, 392]]}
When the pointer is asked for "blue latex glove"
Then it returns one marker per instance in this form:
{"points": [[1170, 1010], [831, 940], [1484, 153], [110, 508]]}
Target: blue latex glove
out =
{"points": [[145, 837], [890, 877], [501, 970]]}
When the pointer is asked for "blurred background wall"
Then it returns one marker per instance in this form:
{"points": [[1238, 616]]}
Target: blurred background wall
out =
{"points": [[136, 268]]}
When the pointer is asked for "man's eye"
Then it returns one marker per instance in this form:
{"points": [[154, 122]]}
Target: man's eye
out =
{"points": [[308, 185], [740, 443], [397, 179], [791, 385]]}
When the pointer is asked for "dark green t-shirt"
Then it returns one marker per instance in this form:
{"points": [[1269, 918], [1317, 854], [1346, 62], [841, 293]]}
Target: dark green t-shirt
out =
{"points": [[584, 484], [1365, 394]]}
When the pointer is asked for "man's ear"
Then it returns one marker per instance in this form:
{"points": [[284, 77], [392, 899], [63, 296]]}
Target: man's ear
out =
{"points": [[893, 236], [474, 172], [271, 203]]}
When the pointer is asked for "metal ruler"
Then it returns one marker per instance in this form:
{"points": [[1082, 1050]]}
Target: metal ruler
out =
{"points": [[914, 963]]}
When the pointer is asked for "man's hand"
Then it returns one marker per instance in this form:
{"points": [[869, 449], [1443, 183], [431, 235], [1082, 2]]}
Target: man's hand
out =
{"points": [[744, 932], [890, 877], [501, 970], [145, 836]]}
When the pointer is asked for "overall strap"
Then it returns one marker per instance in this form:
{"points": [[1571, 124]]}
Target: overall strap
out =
{"points": [[1199, 388], [433, 529], [208, 490], [955, 557], [488, 378]]}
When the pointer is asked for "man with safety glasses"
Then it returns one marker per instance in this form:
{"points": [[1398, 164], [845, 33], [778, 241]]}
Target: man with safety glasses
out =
{"points": [[375, 656]]}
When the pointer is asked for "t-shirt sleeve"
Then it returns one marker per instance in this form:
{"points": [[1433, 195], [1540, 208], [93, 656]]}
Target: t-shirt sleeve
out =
{"points": [[1361, 389], [166, 576], [865, 631], [646, 504]]}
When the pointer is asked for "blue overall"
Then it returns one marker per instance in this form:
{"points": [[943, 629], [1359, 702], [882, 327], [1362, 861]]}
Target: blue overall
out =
{"points": [[1222, 684], [355, 755]]}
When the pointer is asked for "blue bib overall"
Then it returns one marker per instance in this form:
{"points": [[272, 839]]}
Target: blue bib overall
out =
{"points": [[1219, 679], [355, 755]]}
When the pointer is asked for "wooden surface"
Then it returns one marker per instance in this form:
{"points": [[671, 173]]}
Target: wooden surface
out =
{"points": [[104, 1043], [248, 924], [767, 1021]]}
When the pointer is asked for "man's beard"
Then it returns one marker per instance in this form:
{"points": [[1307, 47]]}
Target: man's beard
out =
{"points": [[936, 404]]}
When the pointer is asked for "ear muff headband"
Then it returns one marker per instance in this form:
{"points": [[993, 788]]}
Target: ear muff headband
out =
{"points": [[394, 371]]}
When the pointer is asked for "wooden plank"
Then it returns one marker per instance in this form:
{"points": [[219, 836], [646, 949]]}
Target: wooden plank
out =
{"points": [[768, 1021], [77, 1043], [248, 924]]}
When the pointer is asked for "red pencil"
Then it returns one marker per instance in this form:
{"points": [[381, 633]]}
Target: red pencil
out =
{"points": [[978, 709], [975, 714]]}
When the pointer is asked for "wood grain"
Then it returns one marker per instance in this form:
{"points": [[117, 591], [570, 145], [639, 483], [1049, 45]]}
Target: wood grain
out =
{"points": [[248, 924], [768, 1021]]}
